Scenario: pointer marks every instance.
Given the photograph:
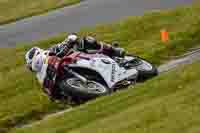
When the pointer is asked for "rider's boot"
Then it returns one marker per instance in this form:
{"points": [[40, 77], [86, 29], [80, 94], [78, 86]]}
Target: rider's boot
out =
{"points": [[119, 52], [112, 51]]}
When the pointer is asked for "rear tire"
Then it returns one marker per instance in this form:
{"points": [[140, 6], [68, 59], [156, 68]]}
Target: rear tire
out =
{"points": [[145, 74], [145, 69]]}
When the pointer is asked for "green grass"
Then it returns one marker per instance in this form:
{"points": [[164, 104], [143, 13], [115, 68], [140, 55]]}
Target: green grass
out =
{"points": [[21, 99], [13, 10], [168, 103]]}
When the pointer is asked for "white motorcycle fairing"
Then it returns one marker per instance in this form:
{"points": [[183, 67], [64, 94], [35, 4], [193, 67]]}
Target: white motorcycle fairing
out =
{"points": [[109, 69]]}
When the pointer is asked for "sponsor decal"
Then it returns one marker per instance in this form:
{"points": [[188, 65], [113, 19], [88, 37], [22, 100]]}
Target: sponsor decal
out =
{"points": [[113, 72]]}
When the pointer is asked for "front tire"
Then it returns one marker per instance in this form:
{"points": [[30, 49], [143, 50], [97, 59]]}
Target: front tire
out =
{"points": [[84, 91]]}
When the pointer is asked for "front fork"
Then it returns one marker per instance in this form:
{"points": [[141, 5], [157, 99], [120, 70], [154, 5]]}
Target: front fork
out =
{"points": [[75, 74]]}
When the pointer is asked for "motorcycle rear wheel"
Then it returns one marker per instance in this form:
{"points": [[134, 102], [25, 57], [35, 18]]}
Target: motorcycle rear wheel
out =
{"points": [[145, 69]]}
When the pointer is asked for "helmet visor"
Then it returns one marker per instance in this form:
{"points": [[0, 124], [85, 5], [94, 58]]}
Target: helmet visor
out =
{"points": [[32, 53]]}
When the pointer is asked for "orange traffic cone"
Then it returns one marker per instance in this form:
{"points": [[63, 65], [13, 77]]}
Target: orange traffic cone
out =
{"points": [[164, 36]]}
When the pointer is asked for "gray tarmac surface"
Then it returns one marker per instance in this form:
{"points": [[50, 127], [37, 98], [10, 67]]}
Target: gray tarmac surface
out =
{"points": [[70, 19]]}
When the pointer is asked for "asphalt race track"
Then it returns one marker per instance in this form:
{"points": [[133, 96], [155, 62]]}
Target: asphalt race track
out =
{"points": [[71, 19]]}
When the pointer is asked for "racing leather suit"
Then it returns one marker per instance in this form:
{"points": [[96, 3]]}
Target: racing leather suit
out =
{"points": [[84, 46], [48, 73]]}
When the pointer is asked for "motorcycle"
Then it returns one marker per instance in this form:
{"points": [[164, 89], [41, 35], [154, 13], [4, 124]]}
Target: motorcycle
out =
{"points": [[86, 76], [145, 69]]}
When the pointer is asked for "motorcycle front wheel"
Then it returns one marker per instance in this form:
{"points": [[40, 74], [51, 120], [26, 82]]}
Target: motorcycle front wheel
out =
{"points": [[81, 90]]}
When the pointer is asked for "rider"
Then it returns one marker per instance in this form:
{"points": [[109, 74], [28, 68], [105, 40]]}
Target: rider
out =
{"points": [[36, 58], [86, 44], [35, 61]]}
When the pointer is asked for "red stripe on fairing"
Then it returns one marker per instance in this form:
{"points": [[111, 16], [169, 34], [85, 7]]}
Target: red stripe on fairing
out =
{"points": [[86, 56]]}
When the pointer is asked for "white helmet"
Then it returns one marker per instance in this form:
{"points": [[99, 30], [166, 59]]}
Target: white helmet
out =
{"points": [[31, 54], [38, 62]]}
